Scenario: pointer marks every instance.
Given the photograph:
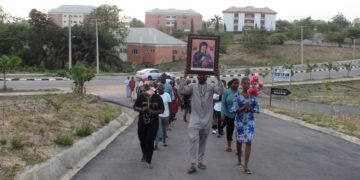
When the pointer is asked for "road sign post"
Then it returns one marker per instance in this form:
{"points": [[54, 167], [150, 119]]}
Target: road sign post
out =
{"points": [[278, 92]]}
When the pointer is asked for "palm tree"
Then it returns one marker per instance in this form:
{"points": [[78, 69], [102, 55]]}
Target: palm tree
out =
{"points": [[7, 63], [216, 19], [348, 67], [330, 66], [310, 68]]}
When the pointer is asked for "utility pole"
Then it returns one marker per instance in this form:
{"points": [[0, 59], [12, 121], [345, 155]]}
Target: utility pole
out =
{"points": [[70, 53], [354, 48], [97, 47], [302, 45]]}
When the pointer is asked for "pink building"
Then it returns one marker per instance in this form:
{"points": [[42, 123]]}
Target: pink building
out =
{"points": [[166, 19]]}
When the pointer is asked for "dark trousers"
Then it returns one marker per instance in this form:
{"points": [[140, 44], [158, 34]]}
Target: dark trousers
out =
{"points": [[229, 128], [147, 135], [220, 126]]}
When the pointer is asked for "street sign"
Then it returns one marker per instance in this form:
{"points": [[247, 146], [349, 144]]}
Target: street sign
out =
{"points": [[280, 92], [281, 74]]}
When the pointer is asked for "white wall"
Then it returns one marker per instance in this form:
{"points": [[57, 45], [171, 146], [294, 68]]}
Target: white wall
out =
{"points": [[229, 21], [270, 22], [257, 21], [76, 18], [241, 21]]}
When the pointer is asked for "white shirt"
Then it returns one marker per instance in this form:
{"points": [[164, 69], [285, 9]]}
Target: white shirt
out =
{"points": [[217, 105], [166, 100]]}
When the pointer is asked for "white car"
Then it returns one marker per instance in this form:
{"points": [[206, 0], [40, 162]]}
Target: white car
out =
{"points": [[149, 73]]}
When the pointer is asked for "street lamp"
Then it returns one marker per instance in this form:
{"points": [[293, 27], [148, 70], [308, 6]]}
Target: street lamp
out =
{"points": [[70, 53], [354, 47], [302, 45]]}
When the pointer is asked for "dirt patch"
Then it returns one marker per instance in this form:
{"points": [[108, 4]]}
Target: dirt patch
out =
{"points": [[30, 126]]}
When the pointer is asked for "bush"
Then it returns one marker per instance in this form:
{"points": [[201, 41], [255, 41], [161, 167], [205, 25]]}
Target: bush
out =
{"points": [[61, 73], [64, 140], [328, 84], [278, 39], [16, 143], [3, 141], [84, 130]]}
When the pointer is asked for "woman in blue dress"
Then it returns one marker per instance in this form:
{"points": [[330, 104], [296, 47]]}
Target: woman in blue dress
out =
{"points": [[244, 106]]}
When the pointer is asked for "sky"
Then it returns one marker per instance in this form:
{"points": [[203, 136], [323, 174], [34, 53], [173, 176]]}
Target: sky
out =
{"points": [[287, 9]]}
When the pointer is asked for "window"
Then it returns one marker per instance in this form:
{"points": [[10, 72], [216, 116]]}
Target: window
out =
{"points": [[135, 52], [64, 15], [175, 51], [235, 28], [75, 15], [173, 17], [167, 16], [235, 21], [75, 21], [64, 21], [236, 15], [154, 71], [167, 22], [80, 16]]}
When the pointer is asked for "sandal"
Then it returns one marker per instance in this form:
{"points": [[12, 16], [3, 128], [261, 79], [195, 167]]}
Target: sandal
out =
{"points": [[201, 166], [191, 170], [239, 164], [247, 171], [228, 149]]}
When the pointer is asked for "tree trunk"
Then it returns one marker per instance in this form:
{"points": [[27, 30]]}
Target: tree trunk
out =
{"points": [[329, 74], [310, 75]]}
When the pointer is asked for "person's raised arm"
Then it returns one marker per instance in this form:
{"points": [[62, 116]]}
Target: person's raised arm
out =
{"points": [[184, 88], [219, 89]]}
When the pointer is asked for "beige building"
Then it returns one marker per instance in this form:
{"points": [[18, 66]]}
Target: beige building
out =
{"points": [[149, 45], [246, 18], [70, 14], [166, 19]]}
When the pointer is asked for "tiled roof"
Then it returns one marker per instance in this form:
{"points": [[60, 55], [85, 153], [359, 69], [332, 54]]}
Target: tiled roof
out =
{"points": [[249, 9], [73, 9], [173, 12], [151, 36]]}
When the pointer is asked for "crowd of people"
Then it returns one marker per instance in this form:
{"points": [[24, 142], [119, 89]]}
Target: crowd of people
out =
{"points": [[207, 108]]}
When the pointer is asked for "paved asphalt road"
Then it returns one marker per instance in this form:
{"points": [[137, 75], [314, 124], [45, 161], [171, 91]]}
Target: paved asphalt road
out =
{"points": [[281, 151]]}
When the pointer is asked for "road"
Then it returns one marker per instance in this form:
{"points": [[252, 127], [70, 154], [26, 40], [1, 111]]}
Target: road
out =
{"points": [[281, 150]]}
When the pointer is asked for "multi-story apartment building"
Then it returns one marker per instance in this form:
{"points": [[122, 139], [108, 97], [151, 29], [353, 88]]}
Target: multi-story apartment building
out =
{"points": [[238, 19], [165, 19], [70, 14]]}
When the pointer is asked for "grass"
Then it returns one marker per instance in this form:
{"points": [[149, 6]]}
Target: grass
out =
{"points": [[35, 128], [347, 124], [333, 93]]}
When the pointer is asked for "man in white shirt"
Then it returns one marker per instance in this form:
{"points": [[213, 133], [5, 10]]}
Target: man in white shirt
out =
{"points": [[164, 117]]}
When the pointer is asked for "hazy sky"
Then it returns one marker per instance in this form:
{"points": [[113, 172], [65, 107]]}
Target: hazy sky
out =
{"points": [[287, 9]]}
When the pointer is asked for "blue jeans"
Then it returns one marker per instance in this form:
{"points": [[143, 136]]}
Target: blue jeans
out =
{"points": [[161, 133]]}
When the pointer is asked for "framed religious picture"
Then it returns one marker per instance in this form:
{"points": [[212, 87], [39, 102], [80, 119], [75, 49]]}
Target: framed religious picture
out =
{"points": [[202, 54]]}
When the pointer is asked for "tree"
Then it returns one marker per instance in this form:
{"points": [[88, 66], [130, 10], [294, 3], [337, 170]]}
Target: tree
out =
{"points": [[264, 75], [310, 68], [204, 26], [192, 26], [136, 23], [340, 21], [80, 74], [337, 37], [353, 33], [330, 66], [283, 26], [7, 63], [3, 15], [255, 40], [348, 67], [247, 72], [216, 19]]}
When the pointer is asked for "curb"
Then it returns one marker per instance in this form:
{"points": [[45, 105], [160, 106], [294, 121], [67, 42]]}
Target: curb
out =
{"points": [[313, 127], [35, 79], [67, 163]]}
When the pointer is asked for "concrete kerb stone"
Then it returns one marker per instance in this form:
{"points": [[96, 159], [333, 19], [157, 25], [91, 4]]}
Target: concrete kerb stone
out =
{"points": [[67, 163], [314, 127]]}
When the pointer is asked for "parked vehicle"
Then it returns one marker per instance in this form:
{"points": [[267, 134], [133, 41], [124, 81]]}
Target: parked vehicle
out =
{"points": [[149, 74]]}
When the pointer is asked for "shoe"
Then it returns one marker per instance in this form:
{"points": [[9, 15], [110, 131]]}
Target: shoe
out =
{"points": [[191, 169], [214, 131], [201, 166], [165, 145], [219, 135], [228, 149], [149, 166], [156, 147], [143, 159]]}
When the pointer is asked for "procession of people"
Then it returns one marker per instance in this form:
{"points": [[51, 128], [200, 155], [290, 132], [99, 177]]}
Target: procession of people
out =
{"points": [[207, 107]]}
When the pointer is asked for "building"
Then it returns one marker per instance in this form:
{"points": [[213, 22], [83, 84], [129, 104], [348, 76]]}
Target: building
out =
{"points": [[238, 19], [73, 14], [149, 45], [166, 19]]}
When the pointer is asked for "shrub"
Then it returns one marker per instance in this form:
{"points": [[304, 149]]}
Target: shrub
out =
{"points": [[3, 141], [328, 85], [84, 130], [16, 143], [64, 140]]}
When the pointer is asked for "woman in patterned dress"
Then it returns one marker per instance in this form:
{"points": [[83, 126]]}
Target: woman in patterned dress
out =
{"points": [[244, 106]]}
